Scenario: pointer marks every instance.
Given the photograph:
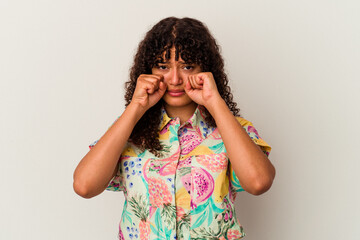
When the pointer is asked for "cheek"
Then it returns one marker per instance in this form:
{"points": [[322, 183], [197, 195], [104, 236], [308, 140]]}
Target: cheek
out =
{"points": [[154, 71]]}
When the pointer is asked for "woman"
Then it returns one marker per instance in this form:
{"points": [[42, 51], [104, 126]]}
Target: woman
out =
{"points": [[180, 152]]}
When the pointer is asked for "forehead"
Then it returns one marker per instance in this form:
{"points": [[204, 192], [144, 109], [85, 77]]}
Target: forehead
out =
{"points": [[172, 52]]}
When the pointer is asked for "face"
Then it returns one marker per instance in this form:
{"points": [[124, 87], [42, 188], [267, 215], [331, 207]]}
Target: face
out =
{"points": [[175, 75]]}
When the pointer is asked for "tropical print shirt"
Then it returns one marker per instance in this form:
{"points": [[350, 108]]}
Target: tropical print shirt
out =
{"points": [[189, 192]]}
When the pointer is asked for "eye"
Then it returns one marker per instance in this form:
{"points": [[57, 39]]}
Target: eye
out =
{"points": [[162, 67], [189, 67]]}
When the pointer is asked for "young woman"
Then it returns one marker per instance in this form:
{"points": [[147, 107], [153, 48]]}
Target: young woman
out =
{"points": [[180, 151]]}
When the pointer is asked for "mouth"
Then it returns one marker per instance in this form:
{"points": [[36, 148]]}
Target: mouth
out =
{"points": [[176, 93]]}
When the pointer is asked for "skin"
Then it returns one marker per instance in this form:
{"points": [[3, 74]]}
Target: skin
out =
{"points": [[175, 76], [100, 164]]}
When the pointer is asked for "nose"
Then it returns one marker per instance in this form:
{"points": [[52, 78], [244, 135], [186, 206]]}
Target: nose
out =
{"points": [[175, 77]]}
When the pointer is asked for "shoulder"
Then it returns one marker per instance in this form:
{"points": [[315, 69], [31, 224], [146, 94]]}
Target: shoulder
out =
{"points": [[243, 121], [249, 127], [254, 134]]}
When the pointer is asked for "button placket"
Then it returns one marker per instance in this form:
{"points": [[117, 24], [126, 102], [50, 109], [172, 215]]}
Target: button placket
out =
{"points": [[162, 189]]}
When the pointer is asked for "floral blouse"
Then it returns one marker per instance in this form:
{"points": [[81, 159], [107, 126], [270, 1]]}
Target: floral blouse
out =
{"points": [[189, 192]]}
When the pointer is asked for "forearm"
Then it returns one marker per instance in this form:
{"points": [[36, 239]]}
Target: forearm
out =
{"points": [[96, 169], [251, 165]]}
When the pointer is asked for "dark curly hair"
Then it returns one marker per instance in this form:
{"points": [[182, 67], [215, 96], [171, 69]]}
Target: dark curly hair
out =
{"points": [[195, 44]]}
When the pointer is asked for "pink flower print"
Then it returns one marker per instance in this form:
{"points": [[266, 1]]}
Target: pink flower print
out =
{"points": [[214, 162], [185, 163], [168, 168], [202, 186], [215, 135], [226, 217], [159, 192], [179, 213], [189, 141], [121, 235], [233, 234], [165, 129], [251, 129], [171, 164], [164, 166], [144, 229]]}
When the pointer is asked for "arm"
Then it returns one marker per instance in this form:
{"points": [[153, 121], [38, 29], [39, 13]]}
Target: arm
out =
{"points": [[251, 165], [100, 164]]}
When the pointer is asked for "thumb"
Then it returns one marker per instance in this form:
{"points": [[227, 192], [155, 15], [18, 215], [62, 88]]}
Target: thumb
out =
{"points": [[187, 86], [162, 88]]}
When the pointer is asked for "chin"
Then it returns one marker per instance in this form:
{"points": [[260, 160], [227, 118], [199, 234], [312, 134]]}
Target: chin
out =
{"points": [[177, 102]]}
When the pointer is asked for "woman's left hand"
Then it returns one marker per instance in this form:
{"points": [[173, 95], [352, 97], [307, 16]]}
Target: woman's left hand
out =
{"points": [[201, 88]]}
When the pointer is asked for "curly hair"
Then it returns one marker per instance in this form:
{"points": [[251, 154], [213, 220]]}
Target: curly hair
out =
{"points": [[195, 44]]}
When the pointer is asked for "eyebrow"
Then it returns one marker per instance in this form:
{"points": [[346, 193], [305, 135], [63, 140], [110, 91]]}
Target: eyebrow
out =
{"points": [[182, 62]]}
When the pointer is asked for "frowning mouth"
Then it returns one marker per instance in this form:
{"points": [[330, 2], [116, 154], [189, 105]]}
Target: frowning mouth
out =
{"points": [[176, 93]]}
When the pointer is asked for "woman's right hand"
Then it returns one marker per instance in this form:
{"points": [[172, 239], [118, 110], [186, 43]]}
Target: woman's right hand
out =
{"points": [[149, 90]]}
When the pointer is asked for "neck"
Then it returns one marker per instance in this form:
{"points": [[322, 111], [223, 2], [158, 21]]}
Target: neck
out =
{"points": [[183, 112]]}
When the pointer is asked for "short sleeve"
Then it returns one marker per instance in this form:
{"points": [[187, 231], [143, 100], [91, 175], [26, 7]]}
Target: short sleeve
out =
{"points": [[254, 135], [115, 183], [93, 144]]}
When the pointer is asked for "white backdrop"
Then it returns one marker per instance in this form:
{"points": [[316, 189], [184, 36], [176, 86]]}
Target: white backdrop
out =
{"points": [[294, 71]]}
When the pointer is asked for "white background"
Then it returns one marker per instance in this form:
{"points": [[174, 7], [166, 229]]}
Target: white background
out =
{"points": [[294, 71]]}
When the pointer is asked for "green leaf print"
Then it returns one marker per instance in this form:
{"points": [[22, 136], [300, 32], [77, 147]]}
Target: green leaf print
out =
{"points": [[142, 154], [160, 228], [200, 208], [210, 217], [154, 230], [173, 130], [207, 211], [173, 139], [199, 221], [214, 207], [218, 148], [165, 147], [168, 233], [204, 233], [140, 206], [158, 219], [126, 215], [168, 213], [184, 225], [185, 170], [174, 133]]}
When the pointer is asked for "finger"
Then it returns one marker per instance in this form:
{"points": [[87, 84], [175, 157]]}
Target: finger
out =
{"points": [[153, 81], [195, 82], [187, 85], [162, 88], [192, 83], [148, 86], [151, 77], [159, 76], [199, 82], [156, 79]]}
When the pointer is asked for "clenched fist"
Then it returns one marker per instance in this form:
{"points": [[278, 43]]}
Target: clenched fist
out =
{"points": [[149, 90], [201, 88]]}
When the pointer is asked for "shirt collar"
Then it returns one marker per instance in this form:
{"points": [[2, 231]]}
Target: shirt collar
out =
{"points": [[197, 120]]}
